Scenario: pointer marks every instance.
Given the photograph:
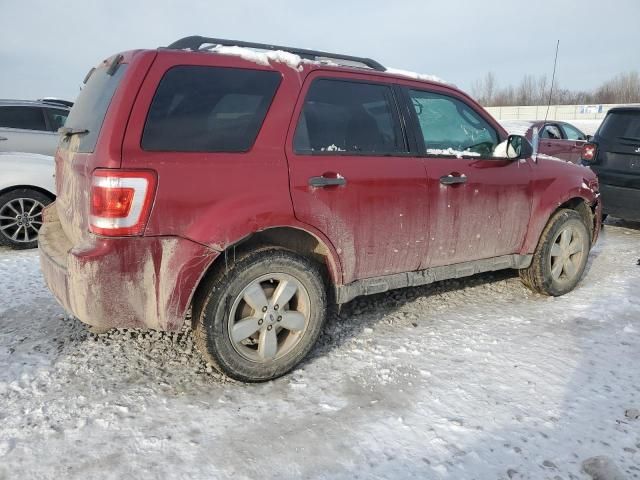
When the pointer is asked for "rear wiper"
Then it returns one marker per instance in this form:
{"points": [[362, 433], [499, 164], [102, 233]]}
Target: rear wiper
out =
{"points": [[68, 131]]}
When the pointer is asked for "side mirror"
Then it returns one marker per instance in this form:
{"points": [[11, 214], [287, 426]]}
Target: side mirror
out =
{"points": [[589, 138], [518, 147]]}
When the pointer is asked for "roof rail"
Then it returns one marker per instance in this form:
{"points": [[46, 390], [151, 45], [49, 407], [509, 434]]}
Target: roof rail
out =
{"points": [[195, 42]]}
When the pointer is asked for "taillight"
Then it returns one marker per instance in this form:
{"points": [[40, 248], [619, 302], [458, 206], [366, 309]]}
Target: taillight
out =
{"points": [[121, 201], [589, 152]]}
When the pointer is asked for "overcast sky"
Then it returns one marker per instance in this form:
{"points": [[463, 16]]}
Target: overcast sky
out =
{"points": [[47, 47]]}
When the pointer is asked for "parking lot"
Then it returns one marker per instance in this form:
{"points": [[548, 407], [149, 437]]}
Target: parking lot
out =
{"points": [[474, 378]]}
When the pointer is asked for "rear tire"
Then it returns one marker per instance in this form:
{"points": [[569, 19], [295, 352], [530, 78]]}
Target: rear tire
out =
{"points": [[258, 318], [21, 217], [561, 255]]}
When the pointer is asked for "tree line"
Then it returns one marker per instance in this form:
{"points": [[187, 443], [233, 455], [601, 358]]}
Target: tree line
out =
{"points": [[623, 88]]}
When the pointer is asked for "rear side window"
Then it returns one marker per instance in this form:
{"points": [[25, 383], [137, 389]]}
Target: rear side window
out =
{"points": [[347, 117], [56, 118], [26, 118], [91, 107], [208, 109], [621, 125]]}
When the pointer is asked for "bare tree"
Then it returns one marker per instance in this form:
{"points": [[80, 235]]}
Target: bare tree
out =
{"points": [[623, 88], [484, 89]]}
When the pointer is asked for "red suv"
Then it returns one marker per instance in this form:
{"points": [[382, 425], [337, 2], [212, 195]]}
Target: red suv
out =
{"points": [[255, 185]]}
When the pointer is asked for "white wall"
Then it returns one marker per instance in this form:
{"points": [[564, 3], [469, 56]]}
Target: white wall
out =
{"points": [[556, 112]]}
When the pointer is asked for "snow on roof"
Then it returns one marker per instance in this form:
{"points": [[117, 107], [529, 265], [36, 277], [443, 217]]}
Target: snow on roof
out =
{"points": [[262, 58], [295, 61], [416, 76]]}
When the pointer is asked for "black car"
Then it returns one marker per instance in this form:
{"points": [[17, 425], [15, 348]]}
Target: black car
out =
{"points": [[614, 154]]}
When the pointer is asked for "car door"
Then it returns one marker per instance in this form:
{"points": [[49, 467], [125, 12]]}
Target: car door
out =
{"points": [[24, 129], [478, 205], [575, 141], [553, 143], [352, 177]]}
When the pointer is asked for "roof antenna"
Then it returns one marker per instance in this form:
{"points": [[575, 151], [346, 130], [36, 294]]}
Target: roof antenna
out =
{"points": [[553, 77], [536, 134]]}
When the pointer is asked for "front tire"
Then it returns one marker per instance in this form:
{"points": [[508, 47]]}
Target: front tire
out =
{"points": [[561, 256], [259, 317], [21, 217]]}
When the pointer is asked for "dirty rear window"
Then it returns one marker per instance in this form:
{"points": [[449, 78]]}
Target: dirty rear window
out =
{"points": [[624, 125], [91, 107]]}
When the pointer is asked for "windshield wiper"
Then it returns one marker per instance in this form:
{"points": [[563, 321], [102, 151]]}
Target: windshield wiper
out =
{"points": [[68, 131]]}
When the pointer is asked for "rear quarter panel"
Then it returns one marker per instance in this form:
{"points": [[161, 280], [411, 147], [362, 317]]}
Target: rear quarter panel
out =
{"points": [[218, 199], [215, 198]]}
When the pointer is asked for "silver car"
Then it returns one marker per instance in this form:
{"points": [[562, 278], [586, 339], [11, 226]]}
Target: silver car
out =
{"points": [[27, 185], [31, 126]]}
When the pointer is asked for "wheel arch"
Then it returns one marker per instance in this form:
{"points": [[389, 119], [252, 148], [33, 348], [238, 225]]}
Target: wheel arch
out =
{"points": [[584, 206], [44, 191], [295, 239]]}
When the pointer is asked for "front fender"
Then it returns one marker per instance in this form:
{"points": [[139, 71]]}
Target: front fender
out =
{"points": [[557, 184]]}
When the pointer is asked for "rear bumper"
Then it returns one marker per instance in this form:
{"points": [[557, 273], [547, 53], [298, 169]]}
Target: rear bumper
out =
{"points": [[144, 282], [621, 202]]}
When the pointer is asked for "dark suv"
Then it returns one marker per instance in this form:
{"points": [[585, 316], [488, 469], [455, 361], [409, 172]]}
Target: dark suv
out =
{"points": [[614, 154], [254, 185]]}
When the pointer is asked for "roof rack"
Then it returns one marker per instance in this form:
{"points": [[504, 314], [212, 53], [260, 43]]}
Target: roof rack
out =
{"points": [[195, 43]]}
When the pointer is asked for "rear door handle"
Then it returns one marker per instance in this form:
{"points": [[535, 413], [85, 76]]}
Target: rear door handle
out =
{"points": [[3, 138], [453, 179], [323, 181]]}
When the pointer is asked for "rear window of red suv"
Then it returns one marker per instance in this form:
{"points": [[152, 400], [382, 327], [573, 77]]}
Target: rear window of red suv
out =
{"points": [[91, 107], [208, 109]]}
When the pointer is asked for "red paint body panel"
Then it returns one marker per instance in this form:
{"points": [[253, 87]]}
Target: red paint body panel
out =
{"points": [[555, 183], [485, 217], [126, 282], [392, 216], [376, 221]]}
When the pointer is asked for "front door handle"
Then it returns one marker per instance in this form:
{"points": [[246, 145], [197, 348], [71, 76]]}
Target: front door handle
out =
{"points": [[3, 138], [323, 181], [453, 179]]}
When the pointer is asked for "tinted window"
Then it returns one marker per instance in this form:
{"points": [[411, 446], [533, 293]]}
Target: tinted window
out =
{"points": [[624, 125], [349, 117], [450, 127], [572, 133], [56, 117], [27, 118], [208, 109], [91, 107], [551, 132]]}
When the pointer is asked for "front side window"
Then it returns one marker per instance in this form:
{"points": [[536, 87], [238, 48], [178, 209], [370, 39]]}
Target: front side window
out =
{"points": [[56, 117], [208, 109], [450, 127], [25, 118], [346, 118], [551, 132], [573, 133]]}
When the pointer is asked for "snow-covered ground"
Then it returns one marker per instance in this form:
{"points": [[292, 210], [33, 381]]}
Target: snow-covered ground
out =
{"points": [[469, 379]]}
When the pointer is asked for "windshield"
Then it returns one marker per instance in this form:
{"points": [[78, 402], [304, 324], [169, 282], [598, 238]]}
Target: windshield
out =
{"points": [[92, 104]]}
